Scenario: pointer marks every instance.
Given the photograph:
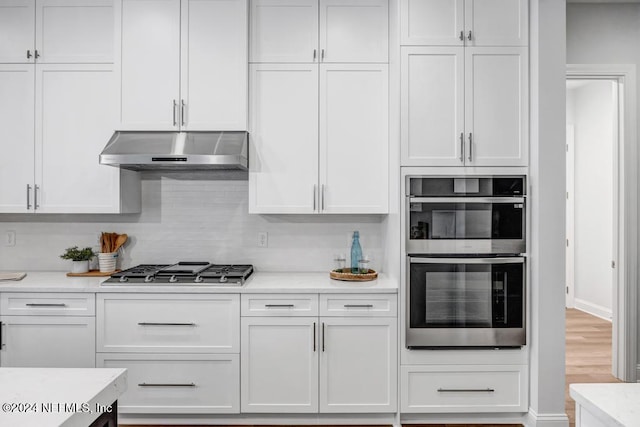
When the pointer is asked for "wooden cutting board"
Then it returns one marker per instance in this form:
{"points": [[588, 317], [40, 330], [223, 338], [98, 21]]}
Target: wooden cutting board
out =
{"points": [[92, 273]]}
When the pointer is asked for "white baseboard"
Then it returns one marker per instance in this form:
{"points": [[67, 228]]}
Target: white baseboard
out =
{"points": [[594, 309], [546, 420]]}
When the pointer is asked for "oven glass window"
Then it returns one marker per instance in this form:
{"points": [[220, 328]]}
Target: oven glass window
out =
{"points": [[468, 221], [466, 295]]}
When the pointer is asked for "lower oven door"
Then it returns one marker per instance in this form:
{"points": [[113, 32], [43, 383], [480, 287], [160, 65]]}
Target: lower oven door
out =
{"points": [[465, 302]]}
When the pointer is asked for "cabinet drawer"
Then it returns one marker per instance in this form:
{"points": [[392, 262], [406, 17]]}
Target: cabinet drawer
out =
{"points": [[46, 304], [177, 384], [168, 323], [358, 305], [464, 388], [280, 305]]}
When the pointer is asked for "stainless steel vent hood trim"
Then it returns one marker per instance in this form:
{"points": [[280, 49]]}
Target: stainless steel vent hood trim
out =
{"points": [[141, 150]]}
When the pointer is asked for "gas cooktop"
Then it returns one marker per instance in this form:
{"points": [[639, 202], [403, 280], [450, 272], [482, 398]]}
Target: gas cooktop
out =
{"points": [[183, 273]]}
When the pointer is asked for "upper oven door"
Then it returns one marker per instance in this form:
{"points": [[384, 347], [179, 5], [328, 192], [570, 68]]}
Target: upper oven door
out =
{"points": [[484, 215]]}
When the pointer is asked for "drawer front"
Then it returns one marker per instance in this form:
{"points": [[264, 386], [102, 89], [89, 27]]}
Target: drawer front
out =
{"points": [[168, 323], [358, 305], [280, 305], [464, 388], [177, 384], [47, 304]]}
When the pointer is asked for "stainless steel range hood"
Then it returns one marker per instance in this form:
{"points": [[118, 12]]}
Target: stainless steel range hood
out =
{"points": [[178, 151]]}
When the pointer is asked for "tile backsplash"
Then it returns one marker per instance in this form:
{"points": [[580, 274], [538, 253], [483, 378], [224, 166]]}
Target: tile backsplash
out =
{"points": [[194, 216]]}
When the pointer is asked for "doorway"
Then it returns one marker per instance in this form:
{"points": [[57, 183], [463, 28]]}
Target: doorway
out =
{"points": [[601, 203]]}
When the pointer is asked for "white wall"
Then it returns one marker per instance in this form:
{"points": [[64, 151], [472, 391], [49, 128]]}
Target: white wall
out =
{"points": [[592, 106], [192, 217]]}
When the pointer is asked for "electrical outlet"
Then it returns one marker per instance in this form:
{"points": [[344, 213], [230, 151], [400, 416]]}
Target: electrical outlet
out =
{"points": [[10, 238], [263, 239]]}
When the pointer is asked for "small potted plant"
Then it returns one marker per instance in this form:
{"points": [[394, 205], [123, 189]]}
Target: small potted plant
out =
{"points": [[79, 258]]}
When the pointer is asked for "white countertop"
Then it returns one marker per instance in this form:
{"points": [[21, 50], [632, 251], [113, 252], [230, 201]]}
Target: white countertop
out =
{"points": [[616, 404], [259, 282], [27, 393]]}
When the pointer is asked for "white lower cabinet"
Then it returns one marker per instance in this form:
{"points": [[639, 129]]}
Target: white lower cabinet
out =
{"points": [[297, 361], [464, 388], [177, 384]]}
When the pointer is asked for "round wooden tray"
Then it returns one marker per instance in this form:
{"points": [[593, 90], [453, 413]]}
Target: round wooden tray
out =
{"points": [[346, 275]]}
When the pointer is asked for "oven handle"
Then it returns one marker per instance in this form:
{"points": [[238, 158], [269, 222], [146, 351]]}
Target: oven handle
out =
{"points": [[466, 199], [494, 260]]}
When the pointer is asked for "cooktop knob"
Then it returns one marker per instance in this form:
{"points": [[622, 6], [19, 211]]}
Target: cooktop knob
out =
{"points": [[149, 279], [124, 279], [223, 279], [198, 279], [173, 279]]}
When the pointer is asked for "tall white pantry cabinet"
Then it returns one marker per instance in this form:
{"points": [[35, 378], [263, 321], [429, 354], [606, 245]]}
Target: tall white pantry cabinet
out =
{"points": [[57, 107], [318, 106], [464, 83]]}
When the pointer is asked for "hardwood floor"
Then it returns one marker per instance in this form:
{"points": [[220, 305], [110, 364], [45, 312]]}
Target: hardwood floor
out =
{"points": [[588, 356], [588, 353]]}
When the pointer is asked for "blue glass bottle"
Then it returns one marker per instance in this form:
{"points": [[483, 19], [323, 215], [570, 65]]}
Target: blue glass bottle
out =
{"points": [[356, 252]]}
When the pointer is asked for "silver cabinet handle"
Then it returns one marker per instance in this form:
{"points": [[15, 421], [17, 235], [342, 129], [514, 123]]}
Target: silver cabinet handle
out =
{"points": [[32, 304], [470, 146], [322, 197], [466, 390], [323, 337], [166, 385], [469, 37], [314, 197], [461, 147], [175, 106], [1, 343], [28, 197], [358, 306], [461, 36], [314, 337], [165, 324], [466, 199], [35, 196], [484, 261], [29, 54], [322, 54], [37, 54], [182, 108], [315, 52], [279, 305]]}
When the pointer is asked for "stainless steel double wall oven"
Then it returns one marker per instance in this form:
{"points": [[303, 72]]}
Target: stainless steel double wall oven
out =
{"points": [[465, 240]]}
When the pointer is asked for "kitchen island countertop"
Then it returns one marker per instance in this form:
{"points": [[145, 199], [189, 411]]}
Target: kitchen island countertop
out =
{"points": [[259, 282]]}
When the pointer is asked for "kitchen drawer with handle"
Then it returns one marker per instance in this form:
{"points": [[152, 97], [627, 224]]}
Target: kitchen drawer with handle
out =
{"points": [[280, 305], [47, 304], [358, 305], [177, 384], [464, 388], [185, 323]]}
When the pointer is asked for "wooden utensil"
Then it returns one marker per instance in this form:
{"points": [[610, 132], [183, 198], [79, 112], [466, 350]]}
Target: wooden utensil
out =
{"points": [[120, 240]]}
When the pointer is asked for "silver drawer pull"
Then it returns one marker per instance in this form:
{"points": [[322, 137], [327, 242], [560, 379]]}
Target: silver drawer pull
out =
{"points": [[166, 385], [358, 306], [466, 390], [165, 324], [279, 305], [31, 304]]}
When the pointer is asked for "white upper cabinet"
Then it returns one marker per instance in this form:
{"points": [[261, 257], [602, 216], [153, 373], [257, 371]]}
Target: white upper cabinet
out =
{"points": [[354, 136], [496, 116], [283, 171], [183, 64], [17, 146], [432, 95], [319, 31], [464, 22], [284, 30], [17, 31]]}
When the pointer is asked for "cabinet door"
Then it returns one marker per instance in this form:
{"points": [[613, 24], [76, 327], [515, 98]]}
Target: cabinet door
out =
{"points": [[284, 30], [48, 342], [149, 64], [496, 118], [177, 383], [214, 65], [75, 117], [497, 22], [432, 22], [74, 31], [354, 31], [279, 364], [358, 365], [354, 138], [17, 31], [283, 171], [17, 146], [432, 106]]}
